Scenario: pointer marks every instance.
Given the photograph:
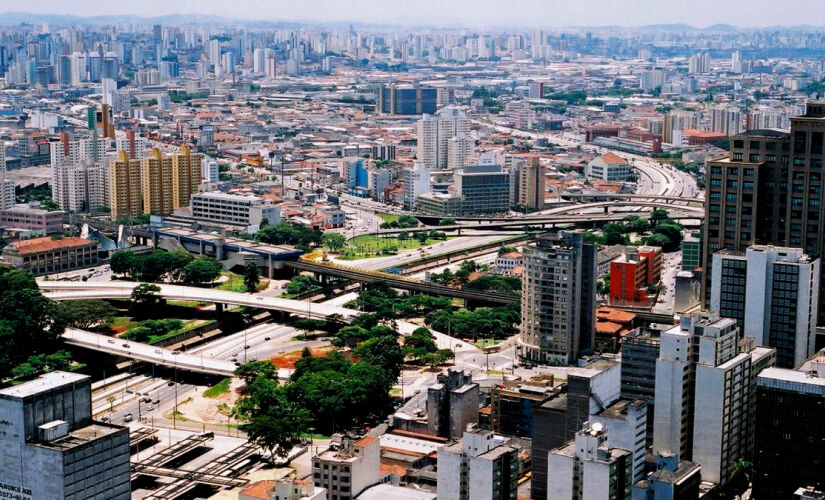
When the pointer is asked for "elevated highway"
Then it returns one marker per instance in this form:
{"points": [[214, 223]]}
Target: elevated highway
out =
{"points": [[74, 290]]}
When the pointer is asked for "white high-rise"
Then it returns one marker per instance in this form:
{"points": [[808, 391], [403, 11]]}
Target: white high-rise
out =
{"points": [[774, 293], [215, 55], [434, 133], [258, 61], [79, 174], [459, 150], [6, 187], [703, 400], [79, 73], [416, 182]]}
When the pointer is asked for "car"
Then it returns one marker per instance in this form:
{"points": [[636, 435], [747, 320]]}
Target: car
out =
{"points": [[128, 417], [150, 407], [528, 366], [237, 364], [170, 383], [246, 346], [259, 297], [104, 419], [126, 346], [158, 351], [111, 341], [156, 401], [147, 399], [266, 338], [233, 359]]}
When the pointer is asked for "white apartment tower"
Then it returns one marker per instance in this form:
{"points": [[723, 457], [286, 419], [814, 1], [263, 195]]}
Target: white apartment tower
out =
{"points": [[434, 133], [416, 182]]}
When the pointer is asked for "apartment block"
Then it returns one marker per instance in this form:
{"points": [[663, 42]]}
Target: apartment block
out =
{"points": [[124, 187], [347, 467], [557, 308], [477, 467]]}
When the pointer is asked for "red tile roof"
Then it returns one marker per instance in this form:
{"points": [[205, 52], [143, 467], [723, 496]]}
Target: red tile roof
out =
{"points": [[45, 244]]}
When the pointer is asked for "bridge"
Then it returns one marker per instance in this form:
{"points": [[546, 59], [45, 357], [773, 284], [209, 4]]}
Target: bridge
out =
{"points": [[484, 223], [397, 281], [629, 196], [77, 290]]}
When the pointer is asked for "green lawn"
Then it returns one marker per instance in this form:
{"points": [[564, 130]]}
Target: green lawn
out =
{"points": [[233, 284], [370, 245], [388, 217], [187, 325], [186, 303], [482, 343], [218, 389], [122, 323]]}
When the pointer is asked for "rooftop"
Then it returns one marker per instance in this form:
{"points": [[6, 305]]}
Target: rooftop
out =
{"points": [[83, 435], [45, 382], [46, 244]]}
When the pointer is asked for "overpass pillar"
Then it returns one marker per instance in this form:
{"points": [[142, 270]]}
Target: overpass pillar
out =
{"points": [[606, 209], [218, 310]]}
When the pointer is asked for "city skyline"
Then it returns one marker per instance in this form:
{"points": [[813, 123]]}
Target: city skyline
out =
{"points": [[460, 14]]}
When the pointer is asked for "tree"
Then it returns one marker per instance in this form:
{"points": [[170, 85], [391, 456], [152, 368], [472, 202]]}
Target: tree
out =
{"points": [[350, 336], [384, 352], [145, 300], [251, 277], [300, 284], [274, 422], [85, 314], [125, 262], [30, 323], [447, 221], [334, 241], [201, 270], [252, 370]]}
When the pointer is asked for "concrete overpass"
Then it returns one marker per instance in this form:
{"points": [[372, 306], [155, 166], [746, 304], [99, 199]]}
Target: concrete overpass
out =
{"points": [[396, 281], [541, 221], [629, 196], [77, 290]]}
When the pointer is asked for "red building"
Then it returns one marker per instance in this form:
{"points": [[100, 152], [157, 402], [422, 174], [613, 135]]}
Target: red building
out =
{"points": [[702, 137], [632, 273]]}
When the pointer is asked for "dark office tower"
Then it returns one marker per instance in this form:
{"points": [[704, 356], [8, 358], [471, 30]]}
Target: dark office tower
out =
{"points": [[790, 411], [406, 99], [769, 191], [64, 70], [640, 349], [157, 34]]}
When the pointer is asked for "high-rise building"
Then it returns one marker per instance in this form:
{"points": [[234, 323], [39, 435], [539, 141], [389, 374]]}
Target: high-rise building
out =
{"points": [[676, 121], [790, 409], [406, 99], [589, 468], [482, 189], [186, 176], [768, 192], [124, 187], [625, 422], [640, 350], [51, 449], [558, 417], [7, 197], [156, 183], [79, 174], [727, 119], [434, 133], [477, 467], [459, 150], [772, 292], [416, 181], [137, 147], [529, 180], [705, 376], [557, 304]]}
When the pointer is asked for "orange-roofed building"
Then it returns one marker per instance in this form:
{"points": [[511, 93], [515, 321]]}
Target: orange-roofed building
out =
{"points": [[47, 255], [608, 167], [283, 489], [611, 325]]}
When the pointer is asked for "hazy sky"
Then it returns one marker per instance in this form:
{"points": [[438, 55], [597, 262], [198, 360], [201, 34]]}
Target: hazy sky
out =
{"points": [[551, 13]]}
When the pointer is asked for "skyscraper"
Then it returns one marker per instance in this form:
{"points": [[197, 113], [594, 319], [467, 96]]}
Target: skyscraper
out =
{"points": [[416, 181], [557, 307], [186, 176], [772, 292], [434, 133], [768, 192], [124, 187], [790, 409], [156, 183], [705, 376]]}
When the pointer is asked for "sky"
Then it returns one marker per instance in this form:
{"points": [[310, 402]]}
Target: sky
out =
{"points": [[469, 13]]}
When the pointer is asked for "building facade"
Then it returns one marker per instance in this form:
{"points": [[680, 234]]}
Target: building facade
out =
{"points": [[46, 255], [557, 304], [51, 449], [477, 468]]}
